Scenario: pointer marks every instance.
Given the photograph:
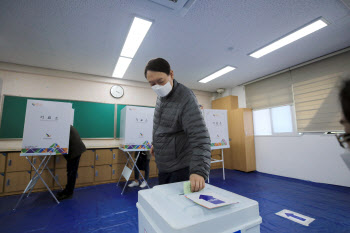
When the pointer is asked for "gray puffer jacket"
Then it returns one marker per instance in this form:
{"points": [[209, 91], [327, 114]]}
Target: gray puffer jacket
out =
{"points": [[180, 136]]}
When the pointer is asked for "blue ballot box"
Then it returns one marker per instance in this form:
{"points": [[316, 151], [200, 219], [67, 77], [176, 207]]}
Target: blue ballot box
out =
{"points": [[164, 208]]}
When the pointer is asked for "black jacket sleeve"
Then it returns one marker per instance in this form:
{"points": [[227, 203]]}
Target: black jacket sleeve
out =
{"points": [[196, 130]]}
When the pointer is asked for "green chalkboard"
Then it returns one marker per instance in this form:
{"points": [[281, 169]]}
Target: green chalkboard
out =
{"points": [[119, 109], [92, 120]]}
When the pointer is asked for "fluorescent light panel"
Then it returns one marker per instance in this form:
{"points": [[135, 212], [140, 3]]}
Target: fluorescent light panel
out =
{"points": [[317, 25], [217, 74], [137, 33], [121, 67]]}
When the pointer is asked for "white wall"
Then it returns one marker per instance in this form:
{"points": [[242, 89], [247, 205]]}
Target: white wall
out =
{"points": [[309, 157], [44, 83], [240, 92]]}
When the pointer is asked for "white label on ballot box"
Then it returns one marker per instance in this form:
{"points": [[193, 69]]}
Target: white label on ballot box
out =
{"points": [[210, 200]]}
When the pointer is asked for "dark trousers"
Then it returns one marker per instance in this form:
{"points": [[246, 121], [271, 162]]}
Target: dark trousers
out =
{"points": [[137, 175], [175, 176], [72, 169]]}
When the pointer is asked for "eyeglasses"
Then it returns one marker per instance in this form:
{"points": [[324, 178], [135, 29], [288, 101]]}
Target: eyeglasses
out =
{"points": [[344, 140]]}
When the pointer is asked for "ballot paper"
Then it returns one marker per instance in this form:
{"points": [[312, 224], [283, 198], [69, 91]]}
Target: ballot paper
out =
{"points": [[187, 187], [210, 199]]}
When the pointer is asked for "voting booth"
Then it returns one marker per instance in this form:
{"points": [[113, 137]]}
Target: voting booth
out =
{"points": [[136, 125], [164, 208], [216, 122], [45, 134]]}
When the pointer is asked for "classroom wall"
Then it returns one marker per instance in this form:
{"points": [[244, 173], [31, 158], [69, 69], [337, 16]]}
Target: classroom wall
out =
{"points": [[34, 82], [312, 157], [309, 157]]}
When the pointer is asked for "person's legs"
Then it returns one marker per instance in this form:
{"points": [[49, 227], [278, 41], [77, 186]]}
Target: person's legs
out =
{"points": [[163, 178], [136, 181], [137, 175], [144, 183], [72, 169], [147, 170]]}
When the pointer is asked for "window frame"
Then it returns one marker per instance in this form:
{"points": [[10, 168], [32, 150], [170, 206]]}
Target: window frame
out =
{"points": [[294, 133]]}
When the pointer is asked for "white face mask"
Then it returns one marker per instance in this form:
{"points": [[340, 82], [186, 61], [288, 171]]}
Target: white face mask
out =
{"points": [[162, 90]]}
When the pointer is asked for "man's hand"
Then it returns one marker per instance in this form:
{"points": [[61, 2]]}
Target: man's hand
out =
{"points": [[152, 151], [197, 182]]}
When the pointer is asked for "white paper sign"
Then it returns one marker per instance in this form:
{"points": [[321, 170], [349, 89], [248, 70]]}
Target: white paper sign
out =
{"points": [[46, 128], [210, 200], [295, 217], [216, 121]]}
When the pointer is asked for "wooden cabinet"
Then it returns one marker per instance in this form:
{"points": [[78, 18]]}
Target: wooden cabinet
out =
{"points": [[103, 173], [2, 178], [15, 162], [61, 176], [95, 167], [242, 143], [153, 172], [16, 181], [2, 161], [87, 159], [37, 160], [117, 170], [227, 103], [85, 175], [103, 157], [47, 178], [60, 162], [119, 156]]}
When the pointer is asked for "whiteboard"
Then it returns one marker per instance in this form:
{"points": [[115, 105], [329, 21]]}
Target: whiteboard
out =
{"points": [[46, 128], [216, 121]]}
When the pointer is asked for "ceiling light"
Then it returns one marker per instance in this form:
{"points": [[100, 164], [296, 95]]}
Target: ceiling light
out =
{"points": [[137, 33], [217, 74], [304, 31], [122, 65]]}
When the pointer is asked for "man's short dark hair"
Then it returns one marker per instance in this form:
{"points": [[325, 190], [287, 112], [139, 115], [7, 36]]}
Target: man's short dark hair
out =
{"points": [[344, 96], [158, 65]]}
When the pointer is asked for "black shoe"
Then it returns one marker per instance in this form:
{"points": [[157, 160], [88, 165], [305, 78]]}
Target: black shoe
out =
{"points": [[60, 193], [64, 196]]}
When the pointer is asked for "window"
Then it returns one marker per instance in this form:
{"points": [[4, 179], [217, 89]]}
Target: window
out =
{"points": [[274, 121]]}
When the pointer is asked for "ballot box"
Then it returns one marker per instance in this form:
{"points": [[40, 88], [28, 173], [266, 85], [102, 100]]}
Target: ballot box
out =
{"points": [[164, 208], [136, 125]]}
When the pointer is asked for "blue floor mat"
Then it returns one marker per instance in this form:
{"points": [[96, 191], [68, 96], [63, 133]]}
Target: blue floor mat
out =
{"points": [[102, 208]]}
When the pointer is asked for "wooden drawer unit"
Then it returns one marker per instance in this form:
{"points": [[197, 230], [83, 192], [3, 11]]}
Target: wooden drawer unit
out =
{"points": [[153, 169], [60, 162], [16, 163], [103, 157], [87, 158], [119, 156], [3, 161], [36, 160], [47, 178], [85, 175], [103, 173], [61, 175], [16, 181], [216, 165], [2, 178], [117, 170]]}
